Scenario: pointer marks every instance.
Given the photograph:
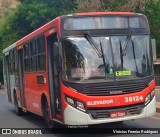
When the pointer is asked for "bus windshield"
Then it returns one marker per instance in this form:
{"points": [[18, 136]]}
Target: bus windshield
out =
{"points": [[82, 63]]}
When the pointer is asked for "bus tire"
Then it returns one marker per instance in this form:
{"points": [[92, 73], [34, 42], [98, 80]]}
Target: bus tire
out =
{"points": [[18, 110], [46, 115]]}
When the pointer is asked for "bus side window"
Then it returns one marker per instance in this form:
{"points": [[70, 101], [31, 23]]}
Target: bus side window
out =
{"points": [[33, 48], [10, 62], [41, 53], [27, 58], [14, 61]]}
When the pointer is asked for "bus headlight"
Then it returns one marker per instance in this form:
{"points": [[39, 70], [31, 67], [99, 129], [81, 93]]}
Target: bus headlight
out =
{"points": [[70, 101], [147, 100], [149, 97], [80, 106], [75, 103]]}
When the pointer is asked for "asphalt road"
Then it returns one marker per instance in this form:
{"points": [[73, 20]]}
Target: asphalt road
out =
{"points": [[8, 119]]}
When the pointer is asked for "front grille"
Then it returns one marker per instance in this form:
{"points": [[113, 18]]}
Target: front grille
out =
{"points": [[105, 113], [103, 89], [125, 87], [110, 88]]}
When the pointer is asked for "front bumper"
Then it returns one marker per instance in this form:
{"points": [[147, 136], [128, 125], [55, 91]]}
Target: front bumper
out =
{"points": [[73, 116]]}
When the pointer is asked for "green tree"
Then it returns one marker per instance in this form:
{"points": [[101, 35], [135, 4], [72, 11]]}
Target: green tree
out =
{"points": [[24, 19], [89, 5], [36, 14], [112, 5], [30, 15], [61, 6], [151, 10]]}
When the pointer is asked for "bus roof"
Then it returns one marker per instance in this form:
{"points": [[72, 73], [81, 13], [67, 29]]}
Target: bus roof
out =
{"points": [[9, 48], [103, 13]]}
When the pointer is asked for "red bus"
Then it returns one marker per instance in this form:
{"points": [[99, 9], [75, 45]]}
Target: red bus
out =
{"points": [[83, 69]]}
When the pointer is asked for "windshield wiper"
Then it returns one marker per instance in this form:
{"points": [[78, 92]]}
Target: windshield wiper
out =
{"points": [[121, 54], [127, 42], [94, 45], [99, 52], [134, 55]]}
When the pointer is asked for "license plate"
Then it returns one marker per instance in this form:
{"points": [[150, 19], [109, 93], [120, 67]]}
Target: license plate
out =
{"points": [[118, 114]]}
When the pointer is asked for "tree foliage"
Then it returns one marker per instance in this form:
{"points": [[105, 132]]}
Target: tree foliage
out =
{"points": [[89, 5], [151, 10], [28, 16], [31, 14], [61, 6]]}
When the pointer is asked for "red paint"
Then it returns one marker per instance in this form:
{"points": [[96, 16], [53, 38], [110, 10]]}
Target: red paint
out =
{"points": [[49, 32], [58, 116], [19, 47], [105, 13], [118, 100], [32, 90]]}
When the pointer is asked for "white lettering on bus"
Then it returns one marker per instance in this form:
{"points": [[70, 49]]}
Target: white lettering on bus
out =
{"points": [[101, 102]]}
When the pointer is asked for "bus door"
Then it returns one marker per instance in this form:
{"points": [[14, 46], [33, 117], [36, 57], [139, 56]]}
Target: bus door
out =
{"points": [[21, 76], [53, 68], [7, 76]]}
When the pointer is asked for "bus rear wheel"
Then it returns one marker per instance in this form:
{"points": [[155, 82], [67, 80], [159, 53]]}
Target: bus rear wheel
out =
{"points": [[18, 110], [46, 115]]}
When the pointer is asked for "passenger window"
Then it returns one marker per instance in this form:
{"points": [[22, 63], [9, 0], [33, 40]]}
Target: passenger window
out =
{"points": [[34, 55], [14, 59], [27, 58], [41, 44], [26, 51], [41, 53], [33, 48], [27, 64]]}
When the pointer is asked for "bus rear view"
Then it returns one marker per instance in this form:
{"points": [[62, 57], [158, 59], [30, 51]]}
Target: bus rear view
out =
{"points": [[107, 72]]}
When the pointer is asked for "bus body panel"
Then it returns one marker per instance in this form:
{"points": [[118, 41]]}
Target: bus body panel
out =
{"points": [[109, 101], [33, 95], [13, 79], [104, 13], [10, 77], [80, 118]]}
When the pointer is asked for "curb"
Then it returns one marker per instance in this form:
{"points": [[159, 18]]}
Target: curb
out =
{"points": [[157, 110], [157, 94], [158, 107]]}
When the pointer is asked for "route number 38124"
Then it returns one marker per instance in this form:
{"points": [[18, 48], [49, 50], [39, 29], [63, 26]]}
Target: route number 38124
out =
{"points": [[134, 98]]}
